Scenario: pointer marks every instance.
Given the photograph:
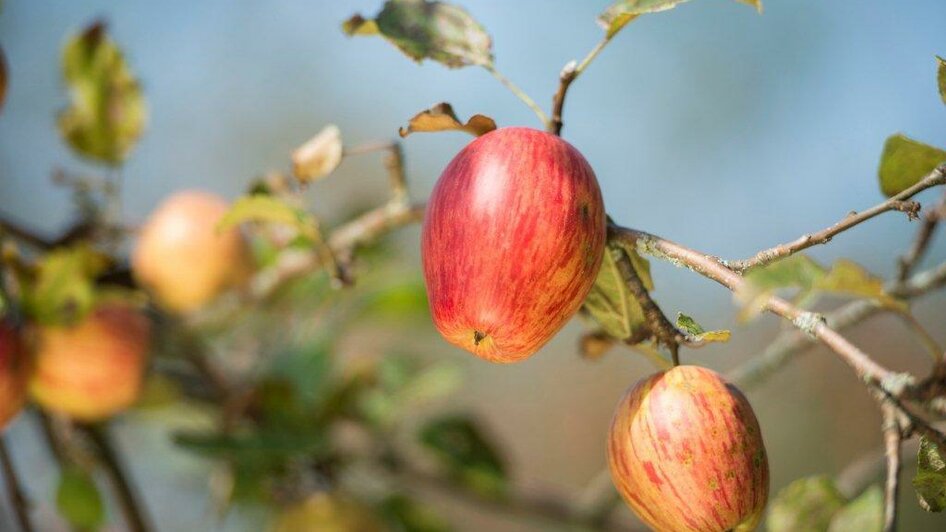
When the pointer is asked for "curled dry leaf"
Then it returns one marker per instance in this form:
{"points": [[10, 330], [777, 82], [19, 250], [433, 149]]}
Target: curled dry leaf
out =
{"points": [[319, 156], [442, 118]]}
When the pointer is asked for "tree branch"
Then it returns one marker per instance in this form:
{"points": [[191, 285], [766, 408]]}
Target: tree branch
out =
{"points": [[899, 203], [921, 242], [131, 506], [570, 73], [21, 505], [791, 343], [892, 439]]}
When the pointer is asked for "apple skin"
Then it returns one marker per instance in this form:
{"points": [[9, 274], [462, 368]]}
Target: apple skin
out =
{"points": [[14, 373], [512, 240], [686, 453], [182, 259], [94, 369]]}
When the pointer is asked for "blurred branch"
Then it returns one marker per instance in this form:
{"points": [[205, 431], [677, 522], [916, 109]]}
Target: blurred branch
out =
{"points": [[896, 203], [75, 232], [546, 506], [18, 500], [131, 506]]}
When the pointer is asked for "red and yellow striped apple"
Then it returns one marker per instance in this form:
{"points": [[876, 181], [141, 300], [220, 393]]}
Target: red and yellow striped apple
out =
{"points": [[686, 453], [512, 241], [94, 369], [14, 372], [182, 259]]}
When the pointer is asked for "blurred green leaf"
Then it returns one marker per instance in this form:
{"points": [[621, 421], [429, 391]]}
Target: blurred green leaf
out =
{"points": [[403, 514], [308, 370], [696, 332], [159, 392], [904, 162], [805, 504], [396, 302], [930, 480], [463, 449], [262, 448], [63, 290], [271, 209], [801, 272], [441, 117], [622, 12], [941, 77], [428, 30], [403, 386], [107, 112], [863, 514], [78, 500], [610, 302]]}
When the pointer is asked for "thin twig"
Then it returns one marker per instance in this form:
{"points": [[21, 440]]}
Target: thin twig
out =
{"points": [[132, 508], [921, 242], [18, 500], [892, 439], [899, 202], [570, 73], [519, 94]]}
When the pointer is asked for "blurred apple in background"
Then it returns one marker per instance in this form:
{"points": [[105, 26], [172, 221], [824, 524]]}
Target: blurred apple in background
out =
{"points": [[94, 369], [512, 241], [686, 453], [182, 258]]}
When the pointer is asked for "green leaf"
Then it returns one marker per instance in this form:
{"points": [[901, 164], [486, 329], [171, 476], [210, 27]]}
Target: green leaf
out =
{"points": [[159, 392], [107, 111], [78, 500], [905, 162], [442, 118], [610, 302], [404, 514], [863, 514], [941, 77], [255, 449], [845, 278], [805, 504], [271, 209], [396, 302], [63, 290], [466, 453], [696, 333], [428, 30], [622, 12], [930, 480]]}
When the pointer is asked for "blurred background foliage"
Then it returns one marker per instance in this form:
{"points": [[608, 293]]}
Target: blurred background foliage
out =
{"points": [[712, 126]]}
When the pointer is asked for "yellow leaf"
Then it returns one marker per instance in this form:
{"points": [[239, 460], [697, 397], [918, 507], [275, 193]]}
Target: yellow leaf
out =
{"points": [[442, 118]]}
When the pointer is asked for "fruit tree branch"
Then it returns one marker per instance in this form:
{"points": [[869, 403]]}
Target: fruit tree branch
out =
{"points": [[892, 439], [570, 73], [791, 343], [896, 203], [131, 506], [18, 500], [921, 242]]}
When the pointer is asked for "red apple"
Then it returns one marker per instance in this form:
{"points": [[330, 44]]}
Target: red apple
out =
{"points": [[14, 372], [686, 453], [94, 369], [512, 241], [181, 257]]}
